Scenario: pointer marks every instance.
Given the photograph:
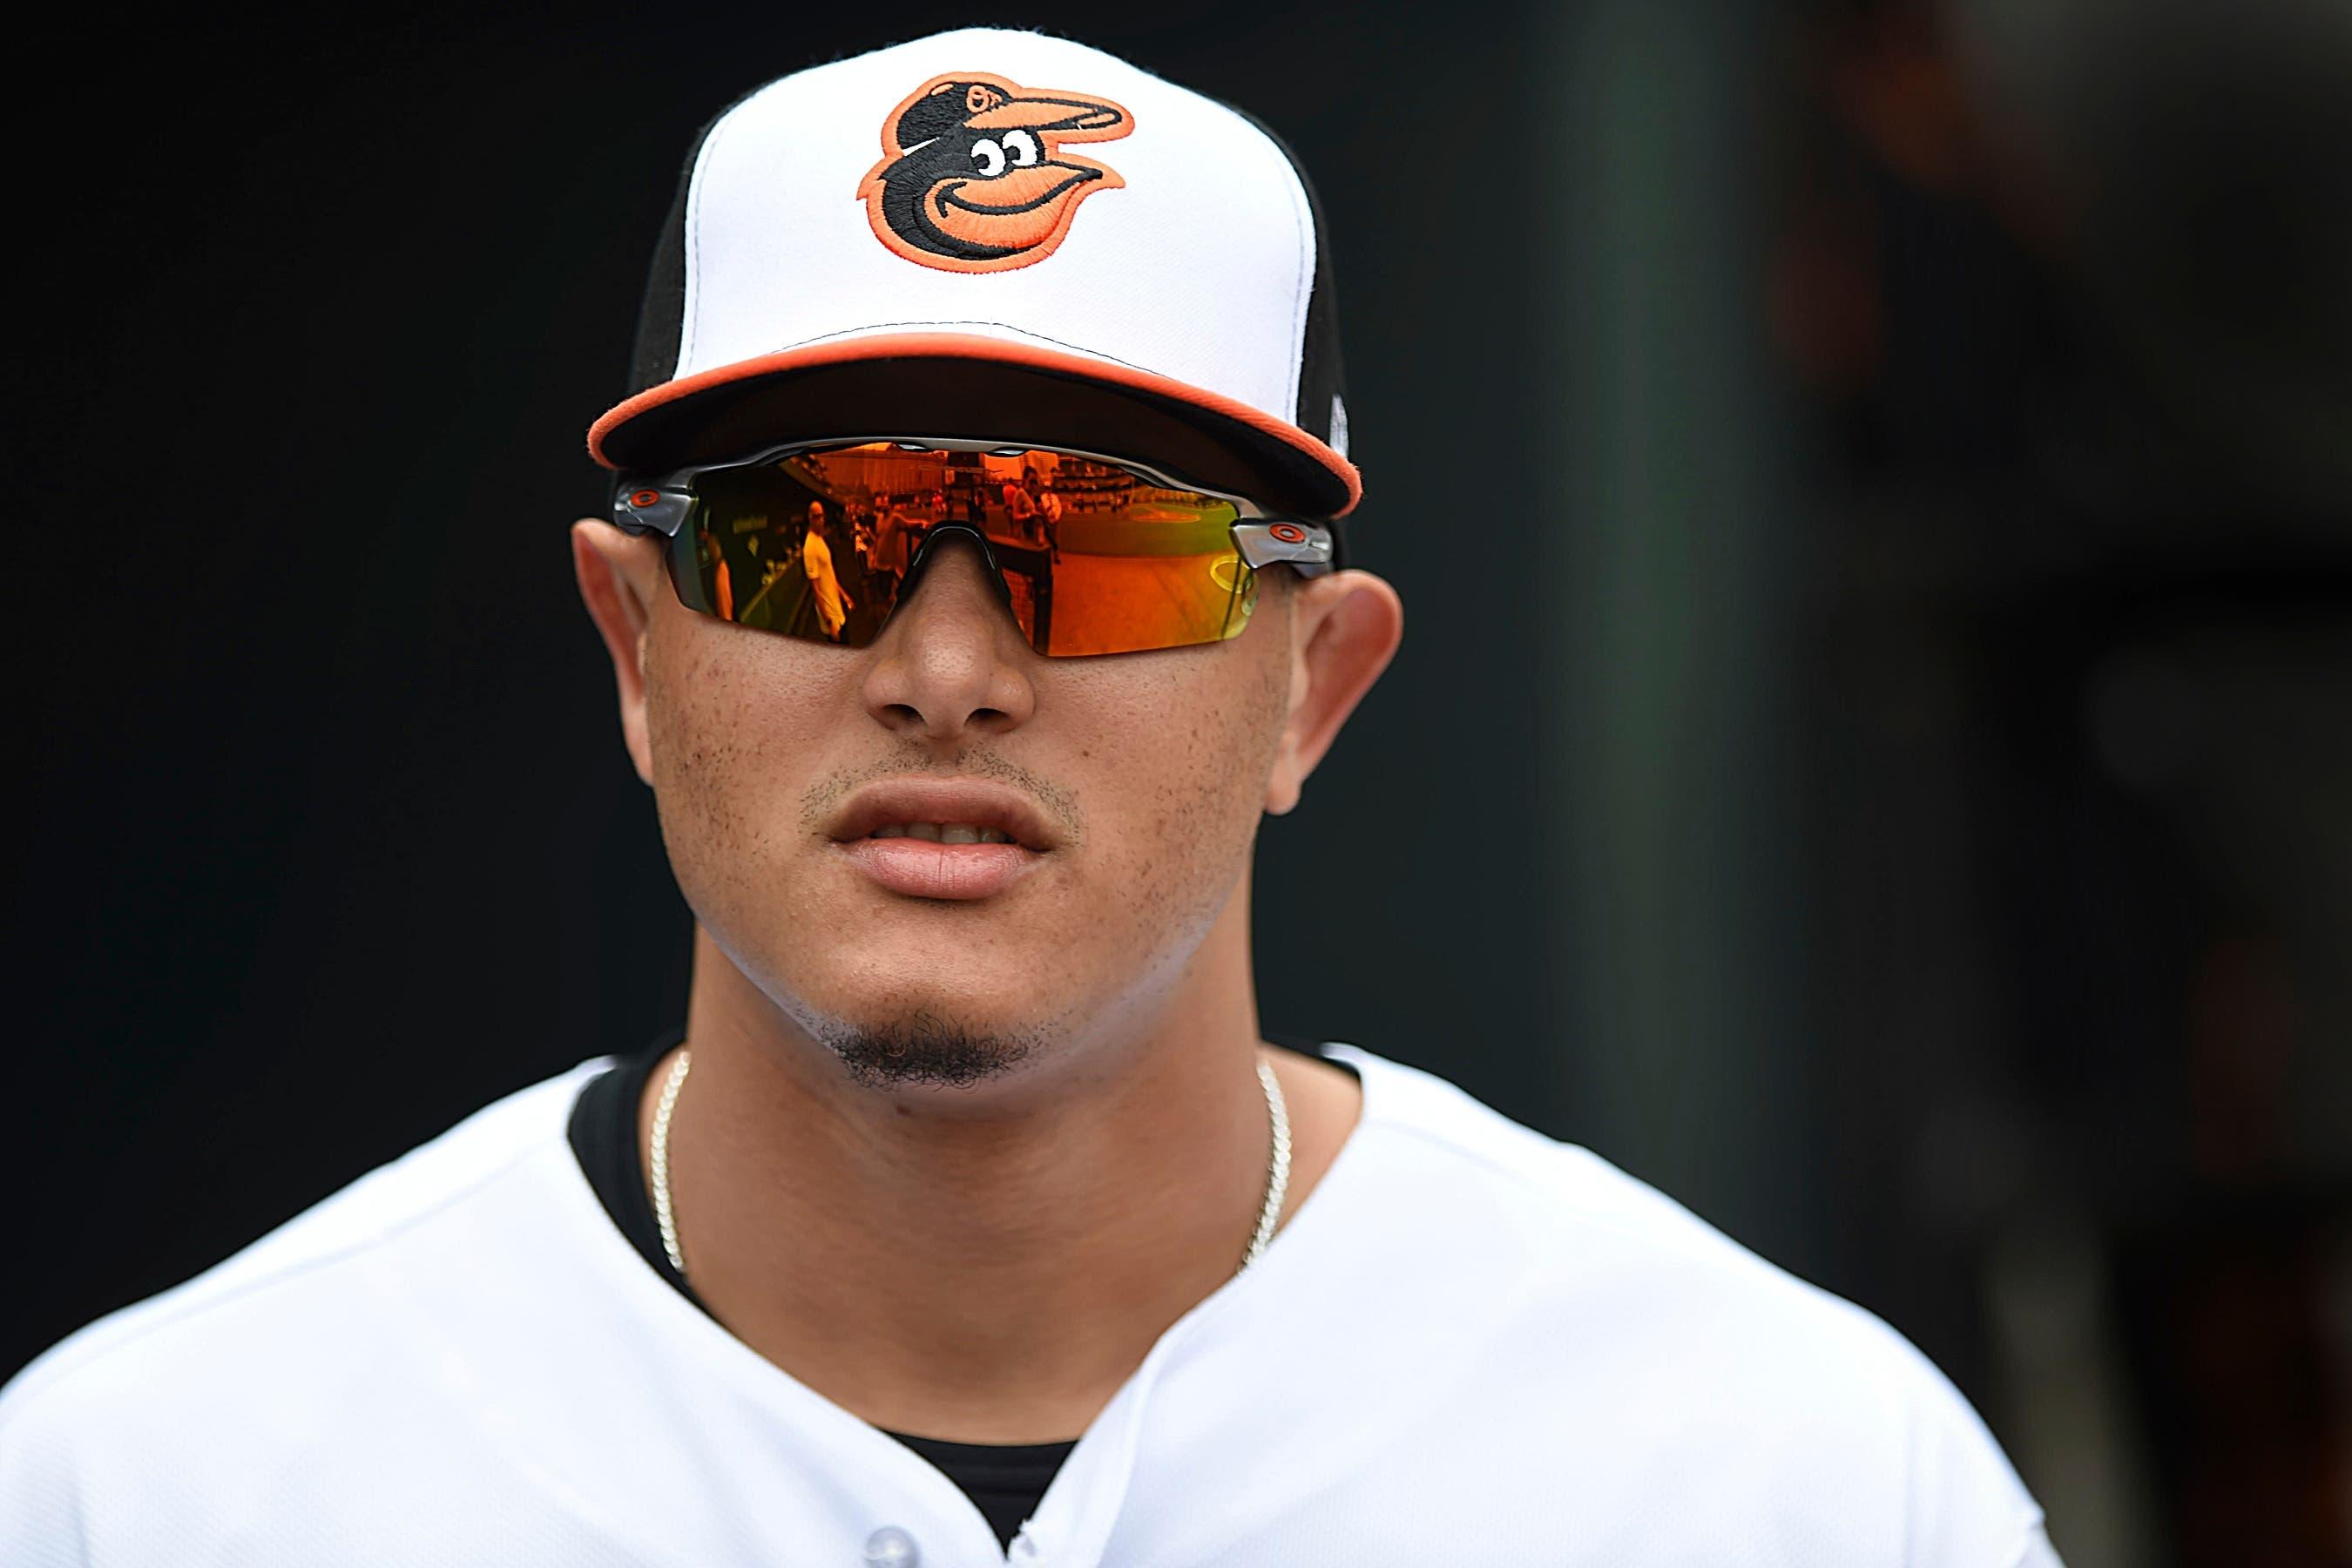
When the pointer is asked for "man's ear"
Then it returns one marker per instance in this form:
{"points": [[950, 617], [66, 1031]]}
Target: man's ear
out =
{"points": [[619, 574], [1344, 629]]}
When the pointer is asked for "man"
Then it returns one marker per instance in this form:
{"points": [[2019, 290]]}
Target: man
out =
{"points": [[721, 582], [1044, 501], [893, 545], [831, 604], [1020, 509], [970, 1220]]}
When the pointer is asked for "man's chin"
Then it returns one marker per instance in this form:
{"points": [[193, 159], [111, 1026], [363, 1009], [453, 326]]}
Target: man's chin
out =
{"points": [[926, 1050]]}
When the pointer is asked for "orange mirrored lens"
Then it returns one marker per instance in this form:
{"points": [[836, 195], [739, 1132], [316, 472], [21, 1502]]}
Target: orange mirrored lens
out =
{"points": [[1093, 559]]}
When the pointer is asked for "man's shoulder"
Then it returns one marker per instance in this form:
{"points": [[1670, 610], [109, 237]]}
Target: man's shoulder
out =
{"points": [[1569, 1201], [1575, 1231], [1609, 1293], [263, 1306], [1568, 1208]]}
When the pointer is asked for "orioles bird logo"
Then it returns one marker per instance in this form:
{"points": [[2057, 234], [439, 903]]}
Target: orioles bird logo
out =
{"points": [[974, 178]]}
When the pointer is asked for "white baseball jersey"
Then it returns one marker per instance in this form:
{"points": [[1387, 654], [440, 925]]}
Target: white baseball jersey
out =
{"points": [[1471, 1343]]}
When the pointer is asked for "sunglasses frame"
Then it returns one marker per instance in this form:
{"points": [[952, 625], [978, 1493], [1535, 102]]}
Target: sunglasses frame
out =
{"points": [[660, 503]]}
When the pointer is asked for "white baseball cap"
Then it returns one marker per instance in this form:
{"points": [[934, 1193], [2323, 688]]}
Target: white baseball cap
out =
{"points": [[994, 235]]}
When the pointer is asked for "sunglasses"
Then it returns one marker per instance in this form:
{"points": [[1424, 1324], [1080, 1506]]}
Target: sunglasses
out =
{"points": [[1092, 555]]}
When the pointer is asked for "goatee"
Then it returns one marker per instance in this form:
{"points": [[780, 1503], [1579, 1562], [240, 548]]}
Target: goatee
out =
{"points": [[925, 1049]]}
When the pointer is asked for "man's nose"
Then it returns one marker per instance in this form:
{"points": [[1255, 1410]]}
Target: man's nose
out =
{"points": [[951, 658]]}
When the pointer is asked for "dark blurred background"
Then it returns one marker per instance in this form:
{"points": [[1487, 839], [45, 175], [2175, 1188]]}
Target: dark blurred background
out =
{"points": [[1871, 485]]}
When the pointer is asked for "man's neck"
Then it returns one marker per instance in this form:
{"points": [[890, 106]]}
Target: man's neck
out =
{"points": [[988, 1264]]}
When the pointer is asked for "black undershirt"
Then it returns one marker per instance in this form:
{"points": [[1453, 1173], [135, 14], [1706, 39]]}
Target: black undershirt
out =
{"points": [[1005, 1481]]}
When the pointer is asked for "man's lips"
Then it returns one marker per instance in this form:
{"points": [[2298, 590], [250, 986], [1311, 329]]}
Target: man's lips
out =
{"points": [[892, 831], [920, 870], [970, 802]]}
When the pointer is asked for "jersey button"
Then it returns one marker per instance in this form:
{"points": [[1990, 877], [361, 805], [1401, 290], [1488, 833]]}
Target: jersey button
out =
{"points": [[892, 1547]]}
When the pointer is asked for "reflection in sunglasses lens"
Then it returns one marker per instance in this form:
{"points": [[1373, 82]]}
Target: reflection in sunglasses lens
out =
{"points": [[1092, 559]]}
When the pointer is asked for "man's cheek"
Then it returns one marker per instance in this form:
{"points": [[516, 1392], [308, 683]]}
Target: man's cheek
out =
{"points": [[1189, 811]]}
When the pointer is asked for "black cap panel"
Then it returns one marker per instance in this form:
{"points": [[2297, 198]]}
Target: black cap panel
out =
{"points": [[1321, 383], [661, 317]]}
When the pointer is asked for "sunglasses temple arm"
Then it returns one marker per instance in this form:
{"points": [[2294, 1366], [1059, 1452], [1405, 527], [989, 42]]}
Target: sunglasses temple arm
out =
{"points": [[643, 508], [1308, 548]]}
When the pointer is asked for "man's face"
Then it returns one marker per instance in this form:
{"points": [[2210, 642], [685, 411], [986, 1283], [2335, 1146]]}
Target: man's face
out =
{"points": [[1143, 776]]}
